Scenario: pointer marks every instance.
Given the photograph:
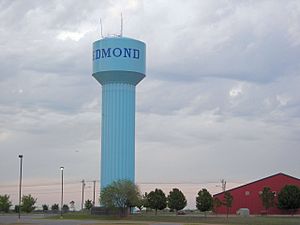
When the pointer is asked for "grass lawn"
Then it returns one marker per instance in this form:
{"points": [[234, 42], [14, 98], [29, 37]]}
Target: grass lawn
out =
{"points": [[251, 221], [145, 219], [258, 220]]}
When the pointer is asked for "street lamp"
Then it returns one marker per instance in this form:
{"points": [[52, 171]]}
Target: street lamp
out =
{"points": [[62, 190], [82, 194], [20, 184]]}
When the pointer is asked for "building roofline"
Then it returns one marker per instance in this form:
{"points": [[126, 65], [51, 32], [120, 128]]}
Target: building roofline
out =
{"points": [[256, 182]]}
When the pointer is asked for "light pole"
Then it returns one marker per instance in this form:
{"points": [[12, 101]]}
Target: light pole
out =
{"points": [[94, 192], [82, 194], [20, 184], [62, 191]]}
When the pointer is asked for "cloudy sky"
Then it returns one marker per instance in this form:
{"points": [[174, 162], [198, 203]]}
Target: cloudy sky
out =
{"points": [[221, 98]]}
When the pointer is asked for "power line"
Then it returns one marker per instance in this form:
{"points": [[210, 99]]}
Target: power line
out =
{"points": [[39, 184], [142, 183], [92, 181], [51, 192]]}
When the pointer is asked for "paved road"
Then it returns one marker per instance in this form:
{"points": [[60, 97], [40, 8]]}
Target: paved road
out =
{"points": [[38, 220]]}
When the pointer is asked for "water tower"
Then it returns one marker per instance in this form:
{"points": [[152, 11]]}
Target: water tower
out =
{"points": [[118, 65]]}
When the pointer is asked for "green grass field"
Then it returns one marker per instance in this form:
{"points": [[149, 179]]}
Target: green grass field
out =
{"points": [[189, 219]]}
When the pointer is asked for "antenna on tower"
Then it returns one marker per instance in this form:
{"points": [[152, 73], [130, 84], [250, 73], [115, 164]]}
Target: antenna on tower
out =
{"points": [[101, 28], [121, 33]]}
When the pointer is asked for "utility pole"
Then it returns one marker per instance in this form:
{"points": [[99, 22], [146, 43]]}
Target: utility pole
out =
{"points": [[94, 192], [82, 193], [223, 183]]}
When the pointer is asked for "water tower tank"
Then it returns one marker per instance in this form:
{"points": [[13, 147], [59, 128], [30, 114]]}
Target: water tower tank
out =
{"points": [[118, 65]]}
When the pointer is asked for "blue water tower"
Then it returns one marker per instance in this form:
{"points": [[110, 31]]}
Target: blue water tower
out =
{"points": [[118, 65]]}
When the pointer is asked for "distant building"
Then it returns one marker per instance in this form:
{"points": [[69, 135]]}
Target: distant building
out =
{"points": [[247, 196]]}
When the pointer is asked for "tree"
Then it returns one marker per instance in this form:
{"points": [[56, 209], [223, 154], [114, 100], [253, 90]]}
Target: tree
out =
{"points": [[176, 200], [72, 206], [267, 197], [55, 207], [121, 194], [5, 203], [28, 203], [65, 208], [216, 204], [45, 207], [204, 201], [88, 204], [289, 198], [228, 199], [145, 201], [142, 202], [157, 200]]}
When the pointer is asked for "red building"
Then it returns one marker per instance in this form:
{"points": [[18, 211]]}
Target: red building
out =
{"points": [[247, 196]]}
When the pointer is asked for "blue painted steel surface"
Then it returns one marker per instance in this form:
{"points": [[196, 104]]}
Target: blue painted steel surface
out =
{"points": [[119, 54], [119, 65], [118, 123]]}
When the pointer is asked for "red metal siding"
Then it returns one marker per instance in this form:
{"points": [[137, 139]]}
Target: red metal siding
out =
{"points": [[252, 201]]}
